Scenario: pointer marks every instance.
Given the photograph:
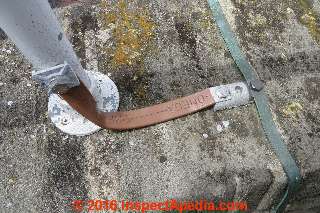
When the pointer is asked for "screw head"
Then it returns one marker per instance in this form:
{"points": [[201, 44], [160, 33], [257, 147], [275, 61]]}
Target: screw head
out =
{"points": [[64, 121]]}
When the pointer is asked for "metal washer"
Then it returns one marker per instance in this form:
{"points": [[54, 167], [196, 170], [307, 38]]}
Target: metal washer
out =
{"points": [[70, 121]]}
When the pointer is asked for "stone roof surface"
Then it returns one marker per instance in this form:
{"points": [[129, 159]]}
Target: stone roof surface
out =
{"points": [[156, 51]]}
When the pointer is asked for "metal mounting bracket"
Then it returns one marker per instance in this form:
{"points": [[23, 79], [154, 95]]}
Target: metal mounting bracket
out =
{"points": [[70, 121], [57, 79]]}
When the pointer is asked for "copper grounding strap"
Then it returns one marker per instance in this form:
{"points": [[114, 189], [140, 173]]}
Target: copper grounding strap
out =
{"points": [[80, 99]]}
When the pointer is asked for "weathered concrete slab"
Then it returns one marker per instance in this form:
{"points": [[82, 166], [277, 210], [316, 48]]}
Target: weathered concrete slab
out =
{"points": [[156, 51]]}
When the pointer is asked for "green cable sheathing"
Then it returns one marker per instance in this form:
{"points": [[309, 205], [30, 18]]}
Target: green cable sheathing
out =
{"points": [[279, 147]]}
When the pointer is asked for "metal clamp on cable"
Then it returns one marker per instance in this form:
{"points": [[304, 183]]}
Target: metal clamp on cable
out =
{"points": [[256, 85], [58, 79], [231, 95]]}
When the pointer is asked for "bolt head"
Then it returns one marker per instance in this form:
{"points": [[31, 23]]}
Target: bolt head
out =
{"points": [[256, 85]]}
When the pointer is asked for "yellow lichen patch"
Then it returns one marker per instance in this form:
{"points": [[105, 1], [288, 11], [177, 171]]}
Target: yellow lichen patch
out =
{"points": [[310, 19], [258, 22], [292, 109], [12, 180], [205, 20], [132, 32]]}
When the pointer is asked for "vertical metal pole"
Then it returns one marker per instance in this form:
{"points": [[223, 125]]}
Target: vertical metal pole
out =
{"points": [[34, 28]]}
